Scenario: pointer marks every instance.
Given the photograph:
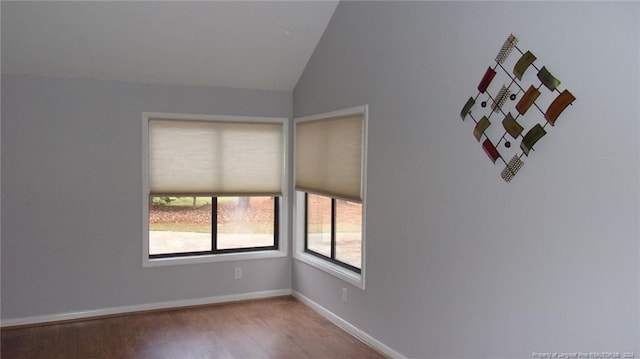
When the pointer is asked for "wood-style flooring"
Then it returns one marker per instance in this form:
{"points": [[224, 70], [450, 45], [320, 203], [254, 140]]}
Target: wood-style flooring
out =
{"points": [[279, 327]]}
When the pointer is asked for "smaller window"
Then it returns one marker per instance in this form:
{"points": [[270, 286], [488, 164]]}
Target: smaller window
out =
{"points": [[333, 230], [330, 155]]}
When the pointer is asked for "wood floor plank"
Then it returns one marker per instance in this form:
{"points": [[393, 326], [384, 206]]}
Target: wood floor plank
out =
{"points": [[279, 327]]}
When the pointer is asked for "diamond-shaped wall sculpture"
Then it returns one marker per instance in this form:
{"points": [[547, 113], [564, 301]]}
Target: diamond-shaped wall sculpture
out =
{"points": [[520, 99]]}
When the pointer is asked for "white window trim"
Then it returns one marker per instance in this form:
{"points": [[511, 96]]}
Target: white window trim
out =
{"points": [[356, 279], [283, 240]]}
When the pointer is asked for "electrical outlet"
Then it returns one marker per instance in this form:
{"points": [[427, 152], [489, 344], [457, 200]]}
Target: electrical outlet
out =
{"points": [[345, 295], [237, 273]]}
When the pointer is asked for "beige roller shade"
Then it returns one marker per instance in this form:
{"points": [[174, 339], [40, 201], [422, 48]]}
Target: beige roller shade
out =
{"points": [[329, 156], [215, 158]]}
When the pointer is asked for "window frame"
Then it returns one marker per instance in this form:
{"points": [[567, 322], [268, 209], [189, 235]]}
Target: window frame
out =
{"points": [[214, 235], [299, 211], [333, 246], [281, 245]]}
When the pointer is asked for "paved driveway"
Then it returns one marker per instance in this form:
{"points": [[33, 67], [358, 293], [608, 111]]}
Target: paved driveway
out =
{"points": [[174, 242], [161, 242]]}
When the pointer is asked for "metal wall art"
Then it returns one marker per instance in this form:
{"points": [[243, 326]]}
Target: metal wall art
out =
{"points": [[514, 93]]}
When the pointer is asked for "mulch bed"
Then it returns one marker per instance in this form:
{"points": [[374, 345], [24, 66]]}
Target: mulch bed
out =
{"points": [[260, 210]]}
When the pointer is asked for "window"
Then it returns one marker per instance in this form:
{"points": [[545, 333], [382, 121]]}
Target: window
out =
{"points": [[213, 188], [333, 230], [185, 226], [330, 167]]}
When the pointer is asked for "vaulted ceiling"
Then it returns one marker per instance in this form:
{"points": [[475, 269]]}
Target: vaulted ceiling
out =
{"points": [[256, 44]]}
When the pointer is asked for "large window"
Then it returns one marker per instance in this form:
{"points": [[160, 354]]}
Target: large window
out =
{"points": [[330, 168], [187, 226], [213, 186]]}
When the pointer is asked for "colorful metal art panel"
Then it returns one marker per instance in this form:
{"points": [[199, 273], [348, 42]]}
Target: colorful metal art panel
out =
{"points": [[516, 99]]}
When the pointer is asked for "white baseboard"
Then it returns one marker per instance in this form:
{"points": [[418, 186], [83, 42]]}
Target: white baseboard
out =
{"points": [[141, 307], [348, 327]]}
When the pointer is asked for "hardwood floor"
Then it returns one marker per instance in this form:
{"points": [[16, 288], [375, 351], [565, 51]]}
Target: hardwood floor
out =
{"points": [[268, 328]]}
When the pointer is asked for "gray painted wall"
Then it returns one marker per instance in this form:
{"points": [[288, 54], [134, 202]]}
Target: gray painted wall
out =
{"points": [[459, 263], [72, 193], [450, 273]]}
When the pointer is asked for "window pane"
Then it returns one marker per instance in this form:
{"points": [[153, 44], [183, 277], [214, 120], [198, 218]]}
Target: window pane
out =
{"points": [[179, 224], [245, 222], [349, 232], [319, 224]]}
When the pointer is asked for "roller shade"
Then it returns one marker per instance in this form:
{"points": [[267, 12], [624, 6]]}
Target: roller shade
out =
{"points": [[215, 158], [329, 156]]}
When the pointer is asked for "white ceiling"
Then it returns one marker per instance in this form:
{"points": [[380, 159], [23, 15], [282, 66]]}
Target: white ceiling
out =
{"points": [[256, 45]]}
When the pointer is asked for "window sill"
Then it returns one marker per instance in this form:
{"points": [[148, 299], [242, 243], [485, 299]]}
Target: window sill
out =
{"points": [[226, 257], [330, 268]]}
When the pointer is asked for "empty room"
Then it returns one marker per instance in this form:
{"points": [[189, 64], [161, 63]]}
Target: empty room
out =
{"points": [[320, 179]]}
